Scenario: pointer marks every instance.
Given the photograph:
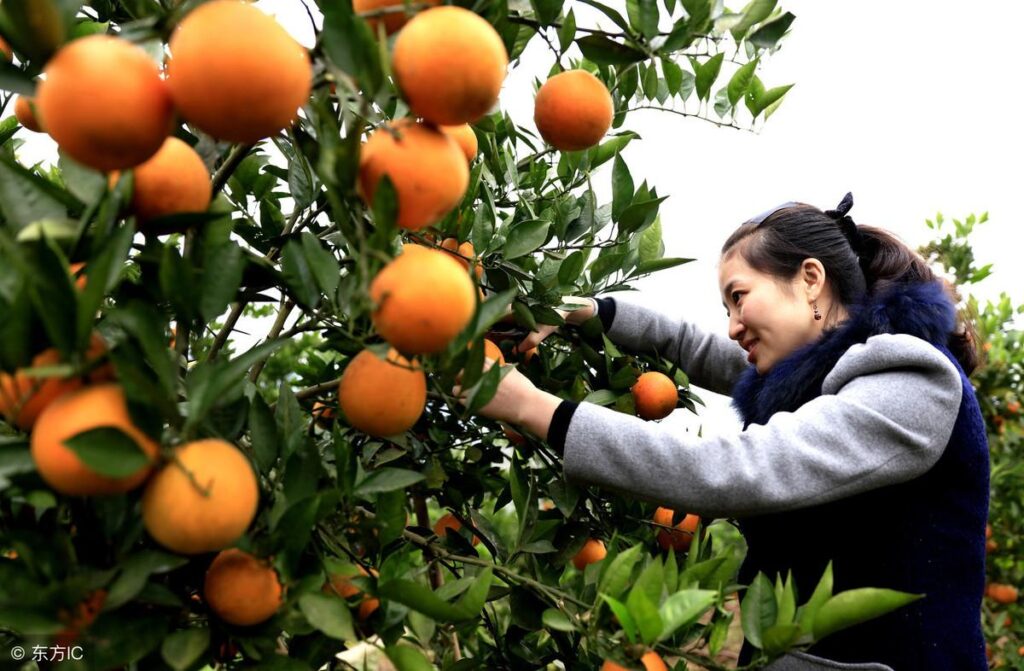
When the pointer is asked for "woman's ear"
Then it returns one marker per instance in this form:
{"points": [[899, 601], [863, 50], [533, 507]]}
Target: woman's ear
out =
{"points": [[812, 278]]}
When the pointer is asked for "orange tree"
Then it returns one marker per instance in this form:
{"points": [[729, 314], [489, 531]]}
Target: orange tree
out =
{"points": [[184, 494], [999, 382]]}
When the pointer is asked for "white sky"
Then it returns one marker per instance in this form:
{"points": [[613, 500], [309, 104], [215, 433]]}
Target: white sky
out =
{"points": [[910, 105]]}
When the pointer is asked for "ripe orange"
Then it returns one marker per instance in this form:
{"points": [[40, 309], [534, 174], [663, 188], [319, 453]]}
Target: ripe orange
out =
{"points": [[464, 252], [23, 398], [573, 110], [392, 20], [93, 407], [592, 551], [235, 73], [423, 300], [449, 64], [655, 395], [173, 181], [203, 500], [1013, 407], [465, 137], [651, 660], [5, 49], [449, 521], [104, 102], [340, 584], [242, 589], [1004, 594], [493, 352], [324, 414], [425, 166], [382, 398], [84, 614], [681, 535], [24, 111]]}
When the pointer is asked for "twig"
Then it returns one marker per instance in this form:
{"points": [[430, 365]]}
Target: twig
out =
{"points": [[229, 165], [286, 308]]}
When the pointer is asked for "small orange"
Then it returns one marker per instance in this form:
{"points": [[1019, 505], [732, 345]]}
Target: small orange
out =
{"points": [[655, 395], [24, 111], [382, 397], [651, 660], [681, 535], [324, 414], [592, 551], [449, 521], [5, 49], [1000, 593], [242, 589], [573, 110], [340, 584], [173, 181], [392, 20], [465, 137], [463, 253]]}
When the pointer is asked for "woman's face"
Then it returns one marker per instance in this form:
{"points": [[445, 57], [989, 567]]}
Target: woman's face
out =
{"points": [[770, 318]]}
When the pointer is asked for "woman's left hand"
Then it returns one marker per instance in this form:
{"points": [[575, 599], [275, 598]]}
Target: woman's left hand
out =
{"points": [[514, 395]]}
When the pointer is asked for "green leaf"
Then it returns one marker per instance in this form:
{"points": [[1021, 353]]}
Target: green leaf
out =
{"points": [[645, 614], [263, 433], [740, 82], [84, 183], [612, 14], [108, 451], [182, 648], [298, 276], [758, 610], [329, 614], [546, 10], [26, 197], [755, 12], [350, 45], [683, 608], [223, 266], [557, 620], [102, 273], [604, 51], [15, 80], [650, 82], [673, 75], [643, 16], [768, 35], [386, 480], [857, 605], [615, 576], [822, 593], [567, 33], [706, 74], [650, 246], [408, 658], [571, 268], [785, 597], [135, 570], [322, 264], [779, 638], [626, 621], [606, 151], [622, 187], [525, 237]]}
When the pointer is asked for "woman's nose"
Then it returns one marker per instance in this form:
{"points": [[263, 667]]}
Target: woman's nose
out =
{"points": [[736, 327]]}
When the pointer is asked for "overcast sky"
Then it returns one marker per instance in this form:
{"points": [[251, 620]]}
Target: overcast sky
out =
{"points": [[910, 105]]}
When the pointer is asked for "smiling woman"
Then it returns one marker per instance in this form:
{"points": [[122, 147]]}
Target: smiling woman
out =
{"points": [[856, 406]]}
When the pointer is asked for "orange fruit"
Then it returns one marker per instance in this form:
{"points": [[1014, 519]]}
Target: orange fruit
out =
{"points": [[462, 253], [173, 181], [24, 111], [382, 397], [493, 352], [426, 167], [592, 551], [203, 500], [1013, 407], [655, 395], [1004, 594], [573, 110], [23, 398], [341, 585], [324, 414], [680, 535], [651, 660], [235, 73], [78, 275], [85, 613], [392, 20], [513, 436], [93, 407], [449, 521], [465, 137], [104, 102], [423, 300], [242, 589], [5, 49], [449, 64]]}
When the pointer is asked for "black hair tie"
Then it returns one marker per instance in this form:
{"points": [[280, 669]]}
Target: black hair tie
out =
{"points": [[846, 224]]}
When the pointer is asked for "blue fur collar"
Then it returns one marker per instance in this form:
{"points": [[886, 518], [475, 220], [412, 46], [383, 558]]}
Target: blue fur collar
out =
{"points": [[923, 310]]}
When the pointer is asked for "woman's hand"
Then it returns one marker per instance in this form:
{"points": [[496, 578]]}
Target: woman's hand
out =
{"points": [[585, 311], [517, 401]]}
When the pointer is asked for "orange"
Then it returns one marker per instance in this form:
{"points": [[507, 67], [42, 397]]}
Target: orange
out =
{"points": [[235, 73], [680, 535], [426, 167], [242, 589], [324, 414], [465, 137], [1013, 407], [340, 584], [1004, 594], [85, 613], [513, 436], [203, 500], [655, 395], [23, 398], [651, 660], [463, 252], [5, 49], [174, 181], [449, 521], [573, 110], [493, 352], [382, 398], [94, 407], [24, 111], [592, 551], [449, 64], [423, 300], [78, 275], [392, 20], [104, 102]]}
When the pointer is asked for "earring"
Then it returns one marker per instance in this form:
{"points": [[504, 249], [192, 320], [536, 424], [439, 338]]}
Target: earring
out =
{"points": [[817, 314]]}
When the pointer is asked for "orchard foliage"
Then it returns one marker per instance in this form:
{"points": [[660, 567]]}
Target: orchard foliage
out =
{"points": [[289, 246]]}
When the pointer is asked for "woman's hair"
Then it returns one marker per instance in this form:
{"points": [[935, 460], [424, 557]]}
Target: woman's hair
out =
{"points": [[859, 261]]}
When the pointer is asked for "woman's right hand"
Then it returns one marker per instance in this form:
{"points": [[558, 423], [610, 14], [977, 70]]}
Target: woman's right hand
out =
{"points": [[587, 309]]}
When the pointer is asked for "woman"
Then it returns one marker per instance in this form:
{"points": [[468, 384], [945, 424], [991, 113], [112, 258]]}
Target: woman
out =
{"points": [[862, 443]]}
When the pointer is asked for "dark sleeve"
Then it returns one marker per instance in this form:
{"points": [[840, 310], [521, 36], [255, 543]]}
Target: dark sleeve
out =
{"points": [[560, 425], [606, 311]]}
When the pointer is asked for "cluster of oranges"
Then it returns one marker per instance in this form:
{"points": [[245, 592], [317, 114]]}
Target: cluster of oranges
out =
{"points": [[233, 72]]}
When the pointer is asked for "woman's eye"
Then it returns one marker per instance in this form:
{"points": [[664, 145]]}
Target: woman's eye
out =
{"points": [[735, 297]]}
